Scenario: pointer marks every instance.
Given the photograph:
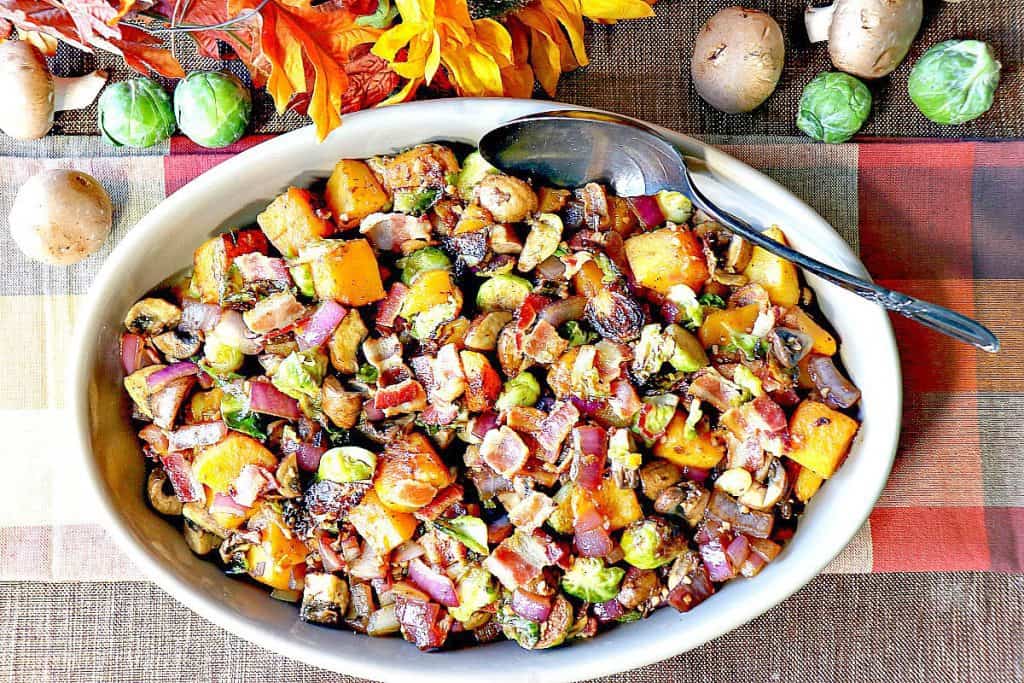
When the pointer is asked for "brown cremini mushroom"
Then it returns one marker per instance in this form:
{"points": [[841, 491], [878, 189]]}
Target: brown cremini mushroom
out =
{"points": [[32, 94], [60, 216], [866, 38], [737, 59]]}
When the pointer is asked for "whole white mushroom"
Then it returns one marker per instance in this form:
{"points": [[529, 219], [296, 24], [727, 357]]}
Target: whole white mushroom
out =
{"points": [[866, 38], [60, 216]]}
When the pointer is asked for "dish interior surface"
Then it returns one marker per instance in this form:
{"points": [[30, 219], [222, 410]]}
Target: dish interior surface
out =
{"points": [[231, 195]]}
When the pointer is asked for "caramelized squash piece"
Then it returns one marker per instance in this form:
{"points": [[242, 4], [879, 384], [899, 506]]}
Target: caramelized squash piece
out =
{"points": [[219, 465], [292, 222], [700, 451], [382, 528], [353, 193], [663, 258], [820, 437], [720, 325], [777, 275], [348, 273]]}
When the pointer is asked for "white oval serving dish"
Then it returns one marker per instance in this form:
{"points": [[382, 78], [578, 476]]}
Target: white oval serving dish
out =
{"points": [[234, 192]]}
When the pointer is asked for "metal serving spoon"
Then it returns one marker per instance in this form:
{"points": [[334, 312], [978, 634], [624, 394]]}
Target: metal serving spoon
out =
{"points": [[572, 148]]}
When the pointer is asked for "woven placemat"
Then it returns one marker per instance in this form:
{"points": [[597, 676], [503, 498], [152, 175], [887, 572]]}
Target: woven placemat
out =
{"points": [[641, 68]]}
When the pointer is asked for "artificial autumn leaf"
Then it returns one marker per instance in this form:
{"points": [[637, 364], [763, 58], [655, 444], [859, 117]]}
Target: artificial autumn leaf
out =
{"points": [[142, 52], [92, 18], [46, 44], [41, 16], [6, 29], [297, 35]]}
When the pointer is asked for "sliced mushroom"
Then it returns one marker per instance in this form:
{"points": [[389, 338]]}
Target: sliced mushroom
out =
{"points": [[508, 199], [288, 483], [324, 599], [835, 389], [161, 494], [738, 255], [658, 475], [735, 481], [789, 346], [765, 496], [504, 239], [200, 541], [152, 316], [177, 344]]}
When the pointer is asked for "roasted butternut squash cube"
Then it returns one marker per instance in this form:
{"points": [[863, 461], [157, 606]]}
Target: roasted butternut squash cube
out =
{"points": [[292, 221], [382, 528], [344, 343], [219, 465], [274, 560], [353, 193], [347, 272], [778, 276], [483, 383], [820, 437], [211, 274], [663, 258], [720, 325], [619, 506], [822, 342], [807, 484], [410, 474], [589, 280], [432, 288], [205, 406], [701, 451]]}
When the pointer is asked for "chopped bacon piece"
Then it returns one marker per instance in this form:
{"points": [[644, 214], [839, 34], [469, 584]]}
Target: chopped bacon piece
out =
{"points": [[404, 397], [504, 451], [276, 312], [442, 501], [439, 414], [388, 231], [517, 560], [422, 367], [609, 360], [532, 511], [543, 344], [255, 267], [199, 434], [424, 624], [624, 402], [554, 429], [591, 444], [765, 415], [524, 419], [380, 351], [710, 386], [185, 485], [527, 312], [483, 383], [388, 309], [252, 482], [449, 381]]}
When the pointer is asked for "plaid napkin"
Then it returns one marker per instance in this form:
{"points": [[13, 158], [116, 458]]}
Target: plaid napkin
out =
{"points": [[940, 220]]}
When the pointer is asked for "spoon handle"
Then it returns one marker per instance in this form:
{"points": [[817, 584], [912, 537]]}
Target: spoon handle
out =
{"points": [[931, 315]]}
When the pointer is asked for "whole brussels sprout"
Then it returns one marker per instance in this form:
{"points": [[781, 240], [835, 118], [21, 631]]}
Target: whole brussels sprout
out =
{"points": [[212, 108], [650, 543], [833, 107], [135, 113], [955, 81]]}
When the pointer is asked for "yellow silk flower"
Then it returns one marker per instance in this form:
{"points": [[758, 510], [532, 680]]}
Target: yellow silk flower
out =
{"points": [[494, 57]]}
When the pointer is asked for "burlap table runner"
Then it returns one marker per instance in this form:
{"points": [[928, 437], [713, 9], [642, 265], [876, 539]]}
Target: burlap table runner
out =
{"points": [[642, 68]]}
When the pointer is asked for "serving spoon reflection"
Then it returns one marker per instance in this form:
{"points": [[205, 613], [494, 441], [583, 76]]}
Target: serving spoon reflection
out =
{"points": [[572, 148]]}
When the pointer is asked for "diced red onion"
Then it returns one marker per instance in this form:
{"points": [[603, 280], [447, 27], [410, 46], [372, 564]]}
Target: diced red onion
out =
{"points": [[193, 435], [185, 485], [564, 310], [433, 583], [131, 351], [593, 446], [530, 605], [319, 327], [308, 456], [484, 423], [753, 565], [331, 560], [373, 414], [609, 611], [409, 550], [593, 542], [697, 474], [835, 389], [265, 398], [737, 550], [589, 407], [716, 561], [225, 504], [165, 376], [647, 211], [196, 316]]}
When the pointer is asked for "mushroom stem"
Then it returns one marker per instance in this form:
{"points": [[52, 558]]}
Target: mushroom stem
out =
{"points": [[78, 92], [818, 21]]}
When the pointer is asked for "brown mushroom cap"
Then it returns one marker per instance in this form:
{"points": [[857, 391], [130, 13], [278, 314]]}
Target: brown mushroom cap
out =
{"points": [[27, 87], [737, 59], [867, 38], [60, 216]]}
